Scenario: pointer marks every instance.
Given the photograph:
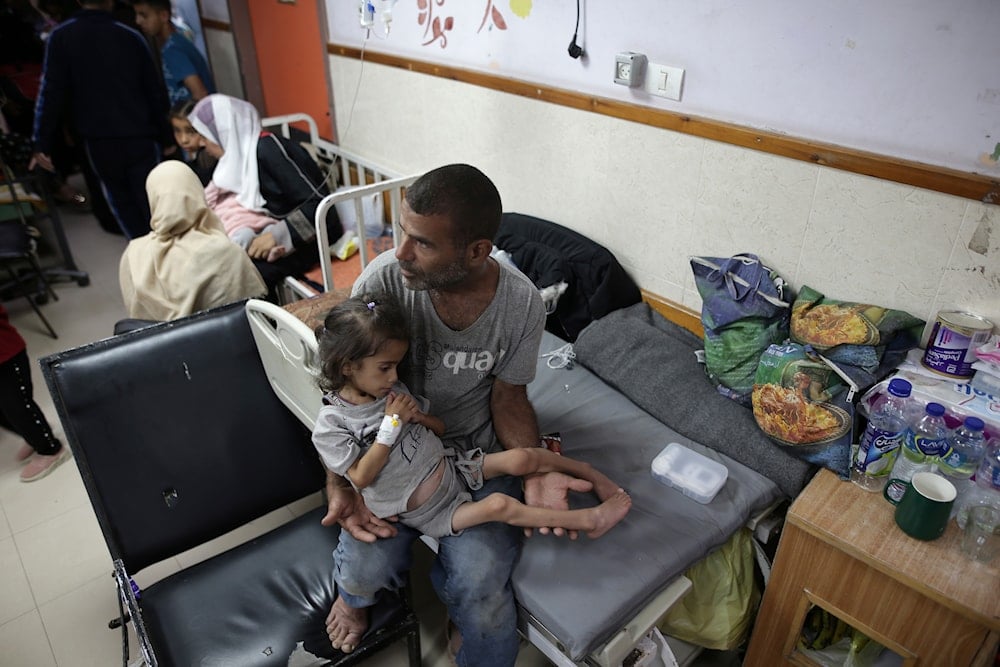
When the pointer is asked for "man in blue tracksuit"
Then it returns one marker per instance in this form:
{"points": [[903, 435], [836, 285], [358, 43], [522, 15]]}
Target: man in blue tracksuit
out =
{"points": [[101, 77]]}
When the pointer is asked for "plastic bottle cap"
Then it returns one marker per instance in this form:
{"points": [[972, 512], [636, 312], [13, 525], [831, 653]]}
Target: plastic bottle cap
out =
{"points": [[900, 387], [935, 409], [974, 424]]}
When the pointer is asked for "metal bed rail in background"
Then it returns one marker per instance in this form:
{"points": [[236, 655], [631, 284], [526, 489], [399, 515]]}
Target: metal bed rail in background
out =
{"points": [[393, 189], [357, 178]]}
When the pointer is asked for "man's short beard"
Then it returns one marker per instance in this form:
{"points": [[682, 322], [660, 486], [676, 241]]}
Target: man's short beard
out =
{"points": [[447, 277]]}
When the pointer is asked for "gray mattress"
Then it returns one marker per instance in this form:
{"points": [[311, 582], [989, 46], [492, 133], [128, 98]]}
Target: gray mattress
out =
{"points": [[585, 591]]}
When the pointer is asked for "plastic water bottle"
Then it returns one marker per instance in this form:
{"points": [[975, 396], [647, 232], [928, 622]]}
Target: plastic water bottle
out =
{"points": [[882, 436], [987, 486], [965, 449], [923, 444], [966, 446]]}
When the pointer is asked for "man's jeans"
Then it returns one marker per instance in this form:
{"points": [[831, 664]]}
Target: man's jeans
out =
{"points": [[471, 575]]}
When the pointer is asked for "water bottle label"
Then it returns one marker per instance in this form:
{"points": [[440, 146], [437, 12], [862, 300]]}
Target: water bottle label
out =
{"points": [[873, 457], [953, 458], [929, 446]]}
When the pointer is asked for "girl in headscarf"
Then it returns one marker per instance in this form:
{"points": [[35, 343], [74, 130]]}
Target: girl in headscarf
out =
{"points": [[266, 173], [186, 263]]}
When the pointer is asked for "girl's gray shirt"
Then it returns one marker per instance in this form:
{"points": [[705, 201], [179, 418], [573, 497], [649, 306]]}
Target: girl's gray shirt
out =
{"points": [[344, 431]]}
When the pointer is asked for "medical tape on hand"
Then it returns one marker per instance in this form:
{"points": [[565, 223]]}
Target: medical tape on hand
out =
{"points": [[388, 432]]}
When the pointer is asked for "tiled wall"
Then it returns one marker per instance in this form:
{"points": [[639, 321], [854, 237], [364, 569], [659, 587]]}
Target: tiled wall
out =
{"points": [[655, 197]]}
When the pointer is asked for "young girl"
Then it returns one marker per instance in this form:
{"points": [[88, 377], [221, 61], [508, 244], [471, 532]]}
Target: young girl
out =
{"points": [[373, 432]]}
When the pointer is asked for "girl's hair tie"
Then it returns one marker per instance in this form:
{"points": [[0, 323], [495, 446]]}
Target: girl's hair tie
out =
{"points": [[371, 305]]}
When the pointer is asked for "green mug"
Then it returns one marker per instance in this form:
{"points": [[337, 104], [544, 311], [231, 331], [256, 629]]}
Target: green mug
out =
{"points": [[925, 507]]}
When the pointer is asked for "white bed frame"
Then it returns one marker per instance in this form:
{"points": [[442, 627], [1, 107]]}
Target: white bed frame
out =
{"points": [[288, 351]]}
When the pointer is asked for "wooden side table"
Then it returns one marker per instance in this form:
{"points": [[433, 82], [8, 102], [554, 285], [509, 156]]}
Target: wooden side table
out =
{"points": [[841, 550]]}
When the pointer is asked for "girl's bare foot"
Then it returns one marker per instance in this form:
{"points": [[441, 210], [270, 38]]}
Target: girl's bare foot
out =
{"points": [[610, 512], [605, 488], [346, 625]]}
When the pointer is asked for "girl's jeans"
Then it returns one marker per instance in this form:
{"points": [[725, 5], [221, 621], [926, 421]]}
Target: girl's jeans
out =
{"points": [[471, 576]]}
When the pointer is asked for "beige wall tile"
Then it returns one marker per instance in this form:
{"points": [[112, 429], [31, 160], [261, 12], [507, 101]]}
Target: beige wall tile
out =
{"points": [[879, 242]]}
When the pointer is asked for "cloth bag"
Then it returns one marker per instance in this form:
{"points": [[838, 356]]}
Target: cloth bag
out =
{"points": [[806, 390], [803, 403], [744, 310]]}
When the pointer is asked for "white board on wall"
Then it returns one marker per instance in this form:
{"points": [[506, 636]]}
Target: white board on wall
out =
{"points": [[914, 79]]}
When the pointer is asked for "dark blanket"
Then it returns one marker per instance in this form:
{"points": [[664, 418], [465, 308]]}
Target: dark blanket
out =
{"points": [[652, 361], [549, 254]]}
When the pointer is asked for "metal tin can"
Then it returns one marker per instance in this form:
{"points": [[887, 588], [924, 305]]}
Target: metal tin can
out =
{"points": [[954, 334]]}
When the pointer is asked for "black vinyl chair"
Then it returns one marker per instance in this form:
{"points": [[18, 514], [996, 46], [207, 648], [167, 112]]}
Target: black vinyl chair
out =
{"points": [[18, 247], [23, 271], [180, 439]]}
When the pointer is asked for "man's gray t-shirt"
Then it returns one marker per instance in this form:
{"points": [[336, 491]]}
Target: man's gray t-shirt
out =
{"points": [[455, 369]]}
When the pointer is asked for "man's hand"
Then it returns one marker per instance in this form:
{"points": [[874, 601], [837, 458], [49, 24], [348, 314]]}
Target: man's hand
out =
{"points": [[346, 507], [549, 490], [41, 160], [261, 245]]}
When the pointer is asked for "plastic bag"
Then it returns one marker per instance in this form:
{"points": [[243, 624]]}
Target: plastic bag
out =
{"points": [[345, 247], [718, 611]]}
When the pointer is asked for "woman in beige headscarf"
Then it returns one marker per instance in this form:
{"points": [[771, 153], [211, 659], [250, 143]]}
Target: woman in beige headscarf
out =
{"points": [[186, 263]]}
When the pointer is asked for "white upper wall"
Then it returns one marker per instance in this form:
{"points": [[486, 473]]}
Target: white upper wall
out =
{"points": [[915, 79]]}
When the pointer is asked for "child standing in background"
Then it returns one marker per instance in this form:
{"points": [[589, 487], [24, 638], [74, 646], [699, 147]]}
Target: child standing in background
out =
{"points": [[372, 431], [18, 410]]}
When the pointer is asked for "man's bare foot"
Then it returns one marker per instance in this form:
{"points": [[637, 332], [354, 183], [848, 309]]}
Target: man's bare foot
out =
{"points": [[346, 625], [610, 512]]}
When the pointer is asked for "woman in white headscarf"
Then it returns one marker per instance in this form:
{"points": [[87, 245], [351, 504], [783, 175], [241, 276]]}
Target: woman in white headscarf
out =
{"points": [[186, 263], [267, 173]]}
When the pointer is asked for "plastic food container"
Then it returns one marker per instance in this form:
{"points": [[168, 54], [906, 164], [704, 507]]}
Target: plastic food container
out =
{"points": [[695, 475]]}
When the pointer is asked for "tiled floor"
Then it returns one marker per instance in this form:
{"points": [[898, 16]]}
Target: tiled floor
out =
{"points": [[56, 593]]}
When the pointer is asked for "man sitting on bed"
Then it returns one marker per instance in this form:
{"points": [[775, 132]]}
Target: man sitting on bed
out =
{"points": [[476, 325]]}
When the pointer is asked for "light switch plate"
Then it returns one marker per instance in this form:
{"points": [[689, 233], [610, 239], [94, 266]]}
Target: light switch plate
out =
{"points": [[664, 81], [630, 69]]}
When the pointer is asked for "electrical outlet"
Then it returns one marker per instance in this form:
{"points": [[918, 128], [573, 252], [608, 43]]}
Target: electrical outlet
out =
{"points": [[630, 69], [664, 81]]}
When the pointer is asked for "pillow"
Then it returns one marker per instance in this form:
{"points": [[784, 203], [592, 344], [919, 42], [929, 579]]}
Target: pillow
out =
{"points": [[372, 213], [652, 361]]}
